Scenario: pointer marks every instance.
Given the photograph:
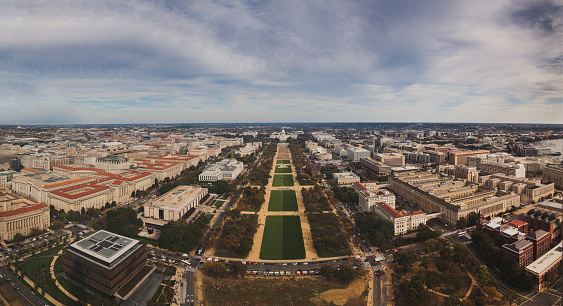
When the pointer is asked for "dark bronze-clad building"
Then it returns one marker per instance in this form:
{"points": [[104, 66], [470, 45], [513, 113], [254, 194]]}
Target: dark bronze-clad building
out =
{"points": [[105, 261]]}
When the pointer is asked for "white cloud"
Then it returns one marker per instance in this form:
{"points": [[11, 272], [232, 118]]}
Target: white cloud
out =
{"points": [[237, 61]]}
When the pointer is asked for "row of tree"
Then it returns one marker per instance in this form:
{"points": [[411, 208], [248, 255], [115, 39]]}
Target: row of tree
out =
{"points": [[122, 221], [261, 173], [346, 195], [315, 200], [471, 220], [344, 273], [329, 238], [237, 235], [252, 198], [378, 230], [219, 270], [179, 236], [298, 159]]}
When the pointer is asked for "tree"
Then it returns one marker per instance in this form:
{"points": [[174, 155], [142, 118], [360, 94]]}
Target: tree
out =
{"points": [[432, 279], [346, 273], [18, 237], [482, 275], [327, 271], [215, 269], [57, 225], [452, 300], [510, 297], [491, 292], [237, 268], [36, 231], [405, 260], [424, 262], [83, 211], [461, 223]]}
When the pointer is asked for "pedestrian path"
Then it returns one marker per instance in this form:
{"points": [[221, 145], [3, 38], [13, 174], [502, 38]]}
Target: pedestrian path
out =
{"points": [[52, 271]]}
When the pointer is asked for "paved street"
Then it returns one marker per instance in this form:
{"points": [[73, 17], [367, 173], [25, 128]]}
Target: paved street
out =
{"points": [[22, 293]]}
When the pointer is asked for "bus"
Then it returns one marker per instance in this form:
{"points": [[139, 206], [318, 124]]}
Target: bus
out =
{"points": [[186, 262]]}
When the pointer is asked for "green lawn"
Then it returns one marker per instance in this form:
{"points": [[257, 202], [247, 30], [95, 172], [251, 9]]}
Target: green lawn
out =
{"points": [[283, 161], [219, 203], [38, 270], [283, 170], [209, 216], [283, 200], [282, 180], [282, 238]]}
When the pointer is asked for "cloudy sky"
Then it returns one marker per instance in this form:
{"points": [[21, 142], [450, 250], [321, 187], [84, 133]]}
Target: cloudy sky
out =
{"points": [[134, 61]]}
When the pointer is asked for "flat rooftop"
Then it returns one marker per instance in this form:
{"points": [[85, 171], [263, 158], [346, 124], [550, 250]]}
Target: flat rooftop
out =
{"points": [[105, 246], [546, 261], [176, 197]]}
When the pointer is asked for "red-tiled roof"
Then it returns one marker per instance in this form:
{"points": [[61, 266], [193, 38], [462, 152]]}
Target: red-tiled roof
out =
{"points": [[31, 170], [517, 223], [63, 192], [67, 182], [360, 186], [22, 210], [418, 212], [390, 210], [395, 214], [117, 182]]}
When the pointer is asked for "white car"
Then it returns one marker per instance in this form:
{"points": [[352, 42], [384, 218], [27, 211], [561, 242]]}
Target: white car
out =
{"points": [[184, 255]]}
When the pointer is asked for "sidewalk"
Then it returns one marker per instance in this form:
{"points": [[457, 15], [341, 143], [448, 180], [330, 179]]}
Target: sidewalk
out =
{"points": [[52, 271]]}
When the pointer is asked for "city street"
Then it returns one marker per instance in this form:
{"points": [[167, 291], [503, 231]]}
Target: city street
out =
{"points": [[21, 291]]}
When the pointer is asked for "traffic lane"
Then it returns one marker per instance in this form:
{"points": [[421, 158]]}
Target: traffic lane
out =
{"points": [[16, 292], [190, 287], [28, 297], [543, 298], [376, 289]]}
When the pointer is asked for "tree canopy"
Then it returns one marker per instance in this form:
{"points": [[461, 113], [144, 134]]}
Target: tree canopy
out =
{"points": [[179, 236]]}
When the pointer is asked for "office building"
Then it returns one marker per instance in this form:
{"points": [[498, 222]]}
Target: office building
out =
{"points": [[517, 169], [227, 169], [370, 194], [21, 216], [554, 173], [378, 167], [402, 223], [345, 178], [104, 261], [475, 161], [356, 153], [550, 261], [463, 172], [390, 159], [451, 198], [520, 252], [530, 191], [175, 204], [460, 157]]}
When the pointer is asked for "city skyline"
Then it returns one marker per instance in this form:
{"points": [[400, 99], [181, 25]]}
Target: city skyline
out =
{"points": [[204, 62]]}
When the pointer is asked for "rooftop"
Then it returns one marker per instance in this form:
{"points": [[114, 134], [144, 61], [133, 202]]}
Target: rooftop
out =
{"points": [[177, 197], [105, 246], [546, 261], [518, 246]]}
